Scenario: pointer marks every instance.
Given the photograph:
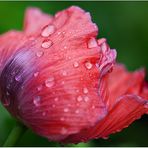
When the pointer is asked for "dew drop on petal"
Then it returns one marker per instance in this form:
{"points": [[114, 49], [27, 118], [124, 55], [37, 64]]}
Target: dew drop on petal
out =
{"points": [[79, 98], [62, 118], [19, 107], [146, 105], [39, 53], [18, 78], [88, 65], [77, 111], [77, 90], [65, 47], [44, 113], [66, 110], [64, 73], [105, 137], [63, 130], [46, 44], [7, 93], [85, 90], [37, 100], [63, 82], [93, 107], [69, 58], [56, 99], [76, 64], [49, 82], [53, 105], [86, 98], [92, 43], [36, 74], [48, 30], [97, 65], [39, 88], [6, 101]]}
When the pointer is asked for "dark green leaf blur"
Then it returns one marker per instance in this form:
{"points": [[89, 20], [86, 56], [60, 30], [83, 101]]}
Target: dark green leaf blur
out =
{"points": [[124, 24]]}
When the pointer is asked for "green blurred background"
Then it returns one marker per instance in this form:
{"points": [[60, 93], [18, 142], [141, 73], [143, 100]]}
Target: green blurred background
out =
{"points": [[124, 24]]}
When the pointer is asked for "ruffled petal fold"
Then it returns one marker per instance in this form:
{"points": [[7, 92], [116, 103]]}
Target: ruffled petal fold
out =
{"points": [[121, 82], [127, 109], [35, 20]]}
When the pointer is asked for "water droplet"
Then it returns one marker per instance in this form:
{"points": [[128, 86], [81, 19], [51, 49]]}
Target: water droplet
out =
{"points": [[63, 130], [19, 107], [31, 38], [65, 47], [48, 30], [59, 33], [39, 88], [49, 82], [53, 105], [105, 137], [37, 100], [92, 43], [62, 82], [97, 65], [69, 58], [18, 77], [88, 65], [56, 99], [146, 105], [77, 90], [66, 110], [7, 93], [44, 113], [77, 111], [46, 44], [79, 98], [64, 73], [63, 32], [85, 90], [8, 86], [39, 53], [86, 98], [36, 74], [6, 101], [93, 107], [76, 64], [62, 118]]}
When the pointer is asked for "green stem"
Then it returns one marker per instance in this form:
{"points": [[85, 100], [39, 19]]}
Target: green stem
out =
{"points": [[15, 135]]}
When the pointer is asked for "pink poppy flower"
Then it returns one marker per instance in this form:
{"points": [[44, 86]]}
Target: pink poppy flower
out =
{"points": [[54, 77]]}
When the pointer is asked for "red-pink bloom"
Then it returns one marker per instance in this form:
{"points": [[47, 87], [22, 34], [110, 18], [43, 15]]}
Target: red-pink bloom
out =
{"points": [[54, 77]]}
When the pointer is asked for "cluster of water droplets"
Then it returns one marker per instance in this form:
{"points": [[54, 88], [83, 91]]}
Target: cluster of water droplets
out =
{"points": [[50, 82], [47, 31]]}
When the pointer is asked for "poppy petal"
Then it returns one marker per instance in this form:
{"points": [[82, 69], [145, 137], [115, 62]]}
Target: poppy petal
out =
{"points": [[9, 44], [121, 82], [35, 20], [127, 109]]}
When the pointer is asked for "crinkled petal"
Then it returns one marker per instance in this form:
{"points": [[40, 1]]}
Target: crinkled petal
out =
{"points": [[35, 20], [121, 82], [127, 109]]}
